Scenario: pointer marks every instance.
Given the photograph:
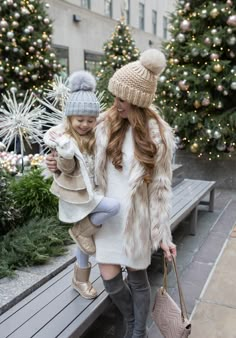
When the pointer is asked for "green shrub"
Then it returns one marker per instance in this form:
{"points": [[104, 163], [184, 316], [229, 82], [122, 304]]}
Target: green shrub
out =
{"points": [[10, 212], [34, 243], [32, 193]]}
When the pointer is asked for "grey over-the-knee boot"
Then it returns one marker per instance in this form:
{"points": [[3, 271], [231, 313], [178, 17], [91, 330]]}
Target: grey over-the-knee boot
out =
{"points": [[120, 294], [140, 289]]}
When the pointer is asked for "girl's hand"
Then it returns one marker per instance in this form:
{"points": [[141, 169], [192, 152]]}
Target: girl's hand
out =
{"points": [[169, 250]]}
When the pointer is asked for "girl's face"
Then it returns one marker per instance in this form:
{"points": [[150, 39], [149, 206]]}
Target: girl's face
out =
{"points": [[83, 124], [123, 107]]}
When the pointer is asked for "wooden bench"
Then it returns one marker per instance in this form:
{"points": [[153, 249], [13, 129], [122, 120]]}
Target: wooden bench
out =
{"points": [[56, 310], [187, 195]]}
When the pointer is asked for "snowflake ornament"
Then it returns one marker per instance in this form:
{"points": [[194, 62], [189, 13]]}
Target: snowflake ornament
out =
{"points": [[24, 120], [59, 91]]}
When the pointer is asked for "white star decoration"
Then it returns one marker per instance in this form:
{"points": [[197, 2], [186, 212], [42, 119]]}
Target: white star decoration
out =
{"points": [[59, 91], [23, 120]]}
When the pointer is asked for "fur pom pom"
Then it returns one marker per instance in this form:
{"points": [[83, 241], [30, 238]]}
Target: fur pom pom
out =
{"points": [[82, 80], [153, 60]]}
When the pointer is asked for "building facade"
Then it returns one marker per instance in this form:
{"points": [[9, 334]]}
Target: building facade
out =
{"points": [[82, 26]]}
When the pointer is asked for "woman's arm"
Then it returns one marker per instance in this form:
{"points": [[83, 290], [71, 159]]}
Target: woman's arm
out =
{"points": [[51, 161]]}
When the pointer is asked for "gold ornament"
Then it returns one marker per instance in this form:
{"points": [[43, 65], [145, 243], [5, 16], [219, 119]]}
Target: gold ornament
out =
{"points": [[197, 104], [217, 68], [214, 13], [194, 147]]}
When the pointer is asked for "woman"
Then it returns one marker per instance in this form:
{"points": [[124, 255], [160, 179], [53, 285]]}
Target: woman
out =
{"points": [[133, 165]]}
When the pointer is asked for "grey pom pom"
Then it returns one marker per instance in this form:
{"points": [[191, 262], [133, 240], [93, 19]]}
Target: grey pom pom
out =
{"points": [[82, 80]]}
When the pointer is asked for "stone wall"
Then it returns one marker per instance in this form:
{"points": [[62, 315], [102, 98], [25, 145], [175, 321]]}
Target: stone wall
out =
{"points": [[222, 171]]}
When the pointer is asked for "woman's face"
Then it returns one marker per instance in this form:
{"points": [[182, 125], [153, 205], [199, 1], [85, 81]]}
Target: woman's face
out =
{"points": [[123, 107]]}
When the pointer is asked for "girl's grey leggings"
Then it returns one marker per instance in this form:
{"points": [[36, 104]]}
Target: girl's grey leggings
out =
{"points": [[107, 208]]}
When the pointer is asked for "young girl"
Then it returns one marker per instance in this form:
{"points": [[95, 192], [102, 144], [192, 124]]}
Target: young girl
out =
{"points": [[73, 184]]}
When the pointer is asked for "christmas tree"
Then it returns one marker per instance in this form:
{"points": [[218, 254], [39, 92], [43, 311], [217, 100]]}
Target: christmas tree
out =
{"points": [[118, 51], [197, 92], [27, 60]]}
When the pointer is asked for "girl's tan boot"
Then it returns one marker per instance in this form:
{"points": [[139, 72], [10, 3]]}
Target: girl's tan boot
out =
{"points": [[82, 233], [81, 283]]}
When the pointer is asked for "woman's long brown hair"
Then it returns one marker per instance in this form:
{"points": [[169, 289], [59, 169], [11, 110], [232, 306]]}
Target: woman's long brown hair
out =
{"points": [[86, 143], [144, 148]]}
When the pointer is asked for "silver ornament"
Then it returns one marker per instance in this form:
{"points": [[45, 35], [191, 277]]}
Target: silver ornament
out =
{"points": [[217, 41], [206, 101], [231, 20], [180, 37], [207, 41], [214, 56], [220, 88], [233, 85], [204, 13], [10, 35], [209, 133], [162, 78], [214, 31], [216, 134], [185, 26], [231, 40], [221, 146], [195, 52], [204, 53]]}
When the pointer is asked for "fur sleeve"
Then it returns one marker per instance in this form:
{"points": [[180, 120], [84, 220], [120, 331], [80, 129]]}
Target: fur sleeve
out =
{"points": [[159, 189]]}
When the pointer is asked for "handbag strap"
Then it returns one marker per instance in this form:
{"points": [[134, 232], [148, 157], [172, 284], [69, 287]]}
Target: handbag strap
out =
{"points": [[183, 308]]}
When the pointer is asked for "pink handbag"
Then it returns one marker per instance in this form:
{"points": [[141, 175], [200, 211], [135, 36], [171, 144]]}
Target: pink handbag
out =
{"points": [[171, 320]]}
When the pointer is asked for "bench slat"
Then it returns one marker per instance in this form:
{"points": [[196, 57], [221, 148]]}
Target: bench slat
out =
{"points": [[75, 312], [34, 294]]}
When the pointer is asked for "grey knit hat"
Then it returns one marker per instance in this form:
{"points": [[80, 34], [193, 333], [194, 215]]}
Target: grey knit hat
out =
{"points": [[136, 82], [82, 100]]}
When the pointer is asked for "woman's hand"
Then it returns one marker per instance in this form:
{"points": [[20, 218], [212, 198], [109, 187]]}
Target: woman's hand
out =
{"points": [[169, 250], [51, 161]]}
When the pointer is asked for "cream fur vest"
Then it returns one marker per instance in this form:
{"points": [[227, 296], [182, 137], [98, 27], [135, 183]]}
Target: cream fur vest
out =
{"points": [[148, 208]]}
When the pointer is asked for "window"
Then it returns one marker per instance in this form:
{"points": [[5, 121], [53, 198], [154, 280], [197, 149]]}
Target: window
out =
{"points": [[85, 4], [62, 54], [141, 16], [108, 8], [165, 26], [127, 11], [92, 61], [154, 22]]}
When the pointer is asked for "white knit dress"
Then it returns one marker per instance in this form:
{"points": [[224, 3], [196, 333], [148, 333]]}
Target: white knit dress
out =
{"points": [[109, 239]]}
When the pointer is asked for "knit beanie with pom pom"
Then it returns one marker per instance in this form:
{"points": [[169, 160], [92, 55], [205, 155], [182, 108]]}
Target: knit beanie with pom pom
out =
{"points": [[136, 82], [82, 101]]}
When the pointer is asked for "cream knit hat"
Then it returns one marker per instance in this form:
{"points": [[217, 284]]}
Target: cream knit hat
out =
{"points": [[136, 82]]}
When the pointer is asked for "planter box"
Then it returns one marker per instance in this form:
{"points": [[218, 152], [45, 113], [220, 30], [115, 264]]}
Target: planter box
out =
{"points": [[223, 171]]}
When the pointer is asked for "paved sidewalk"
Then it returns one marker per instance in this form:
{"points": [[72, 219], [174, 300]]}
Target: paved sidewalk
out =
{"points": [[215, 313]]}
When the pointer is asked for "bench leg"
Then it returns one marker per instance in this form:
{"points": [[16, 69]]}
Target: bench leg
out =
{"points": [[211, 201], [193, 222]]}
